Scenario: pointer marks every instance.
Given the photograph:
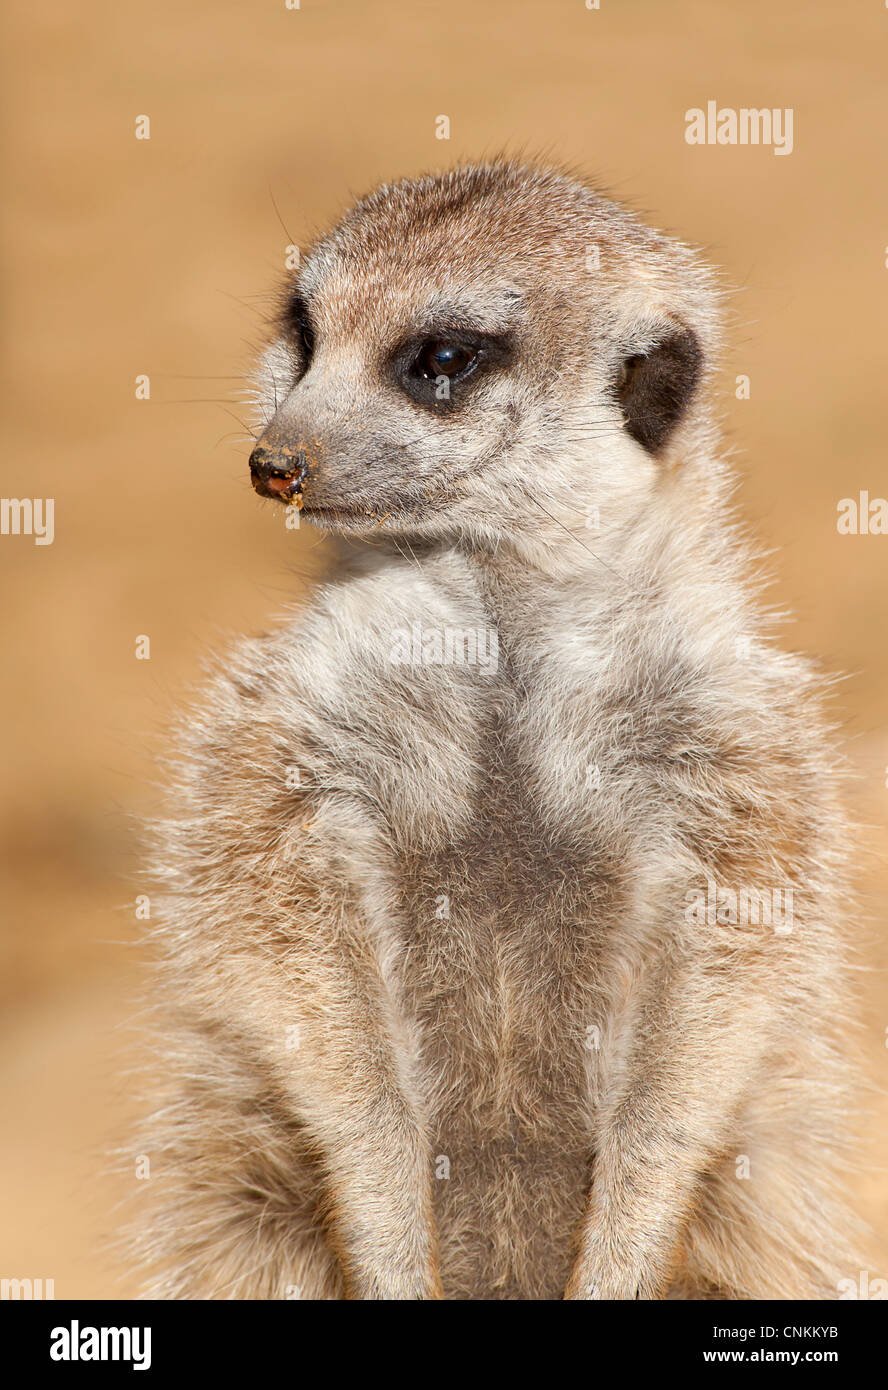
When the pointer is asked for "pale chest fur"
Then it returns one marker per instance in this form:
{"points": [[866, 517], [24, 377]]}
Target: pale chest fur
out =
{"points": [[508, 875], [510, 881], [500, 940]]}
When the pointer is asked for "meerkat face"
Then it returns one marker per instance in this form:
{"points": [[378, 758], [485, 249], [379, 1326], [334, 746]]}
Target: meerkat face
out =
{"points": [[466, 353]]}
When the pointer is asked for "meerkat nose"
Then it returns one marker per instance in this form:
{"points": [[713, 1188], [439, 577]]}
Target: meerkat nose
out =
{"points": [[279, 472]]}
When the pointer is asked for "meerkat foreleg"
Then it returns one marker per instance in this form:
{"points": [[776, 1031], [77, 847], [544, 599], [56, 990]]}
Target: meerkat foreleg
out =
{"points": [[274, 1085], [282, 971], [373, 1149], [663, 1120]]}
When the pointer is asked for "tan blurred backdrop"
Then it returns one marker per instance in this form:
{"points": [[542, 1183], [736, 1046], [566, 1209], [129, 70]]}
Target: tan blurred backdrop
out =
{"points": [[125, 256]]}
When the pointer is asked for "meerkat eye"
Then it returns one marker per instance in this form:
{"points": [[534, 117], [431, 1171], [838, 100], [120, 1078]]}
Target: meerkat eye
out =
{"points": [[432, 370], [298, 323], [308, 341], [438, 358]]}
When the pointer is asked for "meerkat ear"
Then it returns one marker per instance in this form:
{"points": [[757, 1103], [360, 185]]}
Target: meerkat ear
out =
{"points": [[655, 388]]}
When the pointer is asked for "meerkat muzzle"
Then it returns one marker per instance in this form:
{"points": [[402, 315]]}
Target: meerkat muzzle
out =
{"points": [[279, 472]]}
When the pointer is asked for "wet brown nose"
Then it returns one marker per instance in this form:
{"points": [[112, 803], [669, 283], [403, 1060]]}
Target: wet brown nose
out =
{"points": [[279, 472]]}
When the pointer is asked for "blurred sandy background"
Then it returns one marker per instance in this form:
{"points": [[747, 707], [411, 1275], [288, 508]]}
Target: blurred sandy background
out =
{"points": [[123, 257]]}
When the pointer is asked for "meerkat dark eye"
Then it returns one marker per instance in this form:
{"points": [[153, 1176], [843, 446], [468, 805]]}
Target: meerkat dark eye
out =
{"points": [[435, 368], [297, 322], [308, 341], [441, 358]]}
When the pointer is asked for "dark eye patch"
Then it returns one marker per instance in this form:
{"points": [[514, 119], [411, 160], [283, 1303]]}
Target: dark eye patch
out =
{"points": [[297, 326], [452, 355]]}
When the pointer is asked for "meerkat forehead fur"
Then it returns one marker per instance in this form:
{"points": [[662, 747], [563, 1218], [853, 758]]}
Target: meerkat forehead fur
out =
{"points": [[491, 352]]}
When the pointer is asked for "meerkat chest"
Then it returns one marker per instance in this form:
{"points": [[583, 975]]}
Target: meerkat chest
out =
{"points": [[492, 880], [489, 843], [502, 924], [502, 927]]}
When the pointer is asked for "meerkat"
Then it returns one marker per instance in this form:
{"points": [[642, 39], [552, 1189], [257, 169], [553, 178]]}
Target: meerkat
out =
{"points": [[503, 950]]}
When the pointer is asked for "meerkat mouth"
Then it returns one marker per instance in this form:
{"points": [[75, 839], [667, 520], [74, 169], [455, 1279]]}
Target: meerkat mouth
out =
{"points": [[287, 489], [350, 517]]}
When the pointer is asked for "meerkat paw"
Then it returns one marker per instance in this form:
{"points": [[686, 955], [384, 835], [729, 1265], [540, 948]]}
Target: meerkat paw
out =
{"points": [[611, 1270], [398, 1278], [611, 1284], [392, 1288]]}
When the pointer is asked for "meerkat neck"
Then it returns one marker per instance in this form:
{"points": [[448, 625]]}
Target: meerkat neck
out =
{"points": [[670, 567]]}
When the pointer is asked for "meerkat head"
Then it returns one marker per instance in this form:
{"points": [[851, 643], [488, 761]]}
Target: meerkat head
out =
{"points": [[469, 353]]}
